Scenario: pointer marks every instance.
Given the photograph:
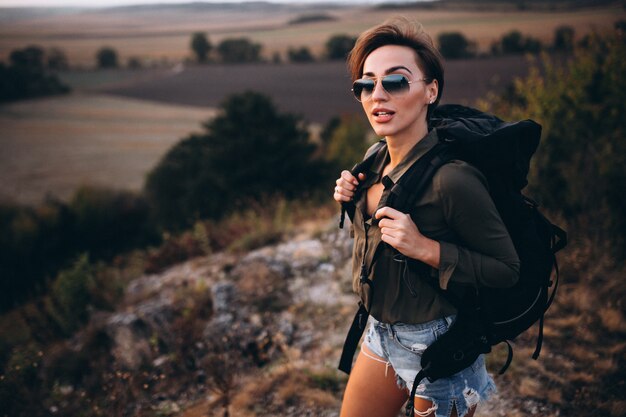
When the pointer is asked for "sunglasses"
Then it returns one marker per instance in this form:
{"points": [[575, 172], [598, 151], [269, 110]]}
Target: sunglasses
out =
{"points": [[394, 84]]}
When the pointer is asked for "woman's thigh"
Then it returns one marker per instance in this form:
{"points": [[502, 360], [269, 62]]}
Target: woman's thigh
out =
{"points": [[372, 390]]}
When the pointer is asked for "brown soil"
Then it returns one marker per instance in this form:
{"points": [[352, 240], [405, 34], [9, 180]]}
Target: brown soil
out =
{"points": [[316, 91]]}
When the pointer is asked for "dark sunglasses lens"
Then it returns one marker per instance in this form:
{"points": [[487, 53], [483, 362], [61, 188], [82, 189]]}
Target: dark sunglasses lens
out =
{"points": [[395, 83], [362, 85]]}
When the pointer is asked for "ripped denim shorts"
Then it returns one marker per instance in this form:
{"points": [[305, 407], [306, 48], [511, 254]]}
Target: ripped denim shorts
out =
{"points": [[401, 347]]}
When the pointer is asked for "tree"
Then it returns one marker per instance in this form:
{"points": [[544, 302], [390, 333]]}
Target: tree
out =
{"points": [[338, 46], [106, 57], [248, 152], [512, 43], [201, 46], [29, 58], [239, 50], [27, 77], [302, 54], [454, 45], [57, 60], [515, 43], [564, 39]]}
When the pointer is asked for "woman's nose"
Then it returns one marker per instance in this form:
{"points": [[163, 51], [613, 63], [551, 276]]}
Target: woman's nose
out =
{"points": [[379, 92]]}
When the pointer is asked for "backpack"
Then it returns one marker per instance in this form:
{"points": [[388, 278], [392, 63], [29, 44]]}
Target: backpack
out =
{"points": [[489, 316]]}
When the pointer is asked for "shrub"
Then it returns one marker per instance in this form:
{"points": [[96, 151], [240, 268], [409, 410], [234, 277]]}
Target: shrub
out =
{"points": [[71, 294], [454, 45], [239, 50], [20, 385], [515, 43], [580, 168], [35, 243], [109, 222], [247, 152], [348, 142], [302, 54]]}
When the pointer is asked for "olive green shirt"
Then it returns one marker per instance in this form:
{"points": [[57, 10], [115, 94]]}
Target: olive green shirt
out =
{"points": [[457, 211]]}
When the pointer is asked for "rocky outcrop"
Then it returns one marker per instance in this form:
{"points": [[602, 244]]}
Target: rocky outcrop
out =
{"points": [[246, 310]]}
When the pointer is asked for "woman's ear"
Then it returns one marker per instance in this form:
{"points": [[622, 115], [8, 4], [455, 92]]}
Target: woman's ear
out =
{"points": [[433, 90]]}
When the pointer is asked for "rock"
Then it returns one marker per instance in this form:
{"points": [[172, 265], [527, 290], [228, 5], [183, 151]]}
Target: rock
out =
{"points": [[223, 295], [130, 336]]}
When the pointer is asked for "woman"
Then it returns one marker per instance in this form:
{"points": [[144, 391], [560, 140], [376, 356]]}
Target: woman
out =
{"points": [[454, 228]]}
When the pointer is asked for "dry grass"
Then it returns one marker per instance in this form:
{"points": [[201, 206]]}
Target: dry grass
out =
{"points": [[581, 367], [285, 387], [55, 145]]}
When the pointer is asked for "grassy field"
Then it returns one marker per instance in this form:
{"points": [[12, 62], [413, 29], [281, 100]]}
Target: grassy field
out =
{"points": [[162, 34], [55, 145]]}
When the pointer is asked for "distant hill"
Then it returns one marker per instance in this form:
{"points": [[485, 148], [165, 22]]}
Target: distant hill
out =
{"points": [[16, 14]]}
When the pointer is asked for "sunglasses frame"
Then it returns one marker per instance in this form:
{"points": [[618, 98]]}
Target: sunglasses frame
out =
{"points": [[382, 81]]}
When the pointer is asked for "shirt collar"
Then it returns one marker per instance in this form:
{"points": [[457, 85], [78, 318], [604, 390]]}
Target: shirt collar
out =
{"points": [[416, 152]]}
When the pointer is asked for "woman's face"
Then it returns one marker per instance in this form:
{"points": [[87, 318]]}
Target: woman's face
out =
{"points": [[397, 114]]}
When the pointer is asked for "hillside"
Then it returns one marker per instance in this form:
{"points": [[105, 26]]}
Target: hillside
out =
{"points": [[282, 312]]}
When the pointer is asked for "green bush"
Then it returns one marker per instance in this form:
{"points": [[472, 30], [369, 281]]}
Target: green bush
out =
{"points": [[72, 293], [580, 167], [35, 243], [248, 152], [348, 142], [108, 222]]}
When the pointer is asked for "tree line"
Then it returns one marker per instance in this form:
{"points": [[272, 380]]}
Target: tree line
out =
{"points": [[454, 45], [31, 70], [241, 50]]}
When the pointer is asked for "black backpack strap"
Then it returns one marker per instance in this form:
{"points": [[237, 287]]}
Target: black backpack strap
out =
{"points": [[414, 181], [551, 298], [363, 166], [406, 192], [352, 339], [509, 358], [561, 235], [411, 402]]}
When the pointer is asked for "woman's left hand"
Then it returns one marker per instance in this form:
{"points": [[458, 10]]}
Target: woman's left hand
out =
{"points": [[399, 231]]}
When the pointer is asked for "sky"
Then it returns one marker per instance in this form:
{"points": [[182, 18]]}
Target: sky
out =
{"points": [[105, 3]]}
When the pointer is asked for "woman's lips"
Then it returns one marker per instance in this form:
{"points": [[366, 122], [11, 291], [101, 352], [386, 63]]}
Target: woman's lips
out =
{"points": [[382, 115]]}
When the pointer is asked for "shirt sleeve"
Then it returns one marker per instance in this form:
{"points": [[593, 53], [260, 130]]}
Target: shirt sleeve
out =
{"points": [[487, 256]]}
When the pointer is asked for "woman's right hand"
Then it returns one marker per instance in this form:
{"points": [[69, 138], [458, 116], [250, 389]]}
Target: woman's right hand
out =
{"points": [[346, 185]]}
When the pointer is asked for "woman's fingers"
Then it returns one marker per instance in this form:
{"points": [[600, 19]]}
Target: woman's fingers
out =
{"points": [[346, 185]]}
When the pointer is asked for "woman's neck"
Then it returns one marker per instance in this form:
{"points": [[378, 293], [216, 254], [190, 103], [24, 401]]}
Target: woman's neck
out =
{"points": [[400, 145]]}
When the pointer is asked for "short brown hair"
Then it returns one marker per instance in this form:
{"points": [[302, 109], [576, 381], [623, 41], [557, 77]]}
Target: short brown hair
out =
{"points": [[403, 32]]}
